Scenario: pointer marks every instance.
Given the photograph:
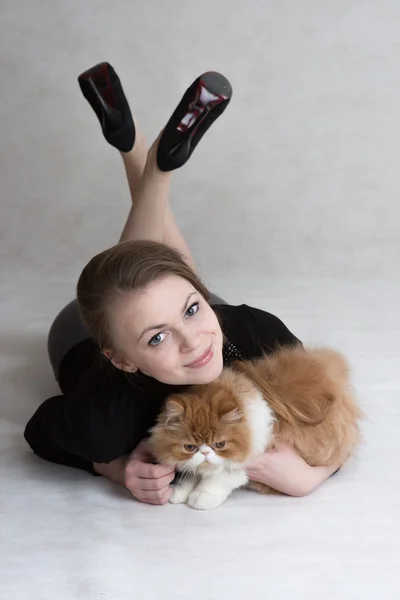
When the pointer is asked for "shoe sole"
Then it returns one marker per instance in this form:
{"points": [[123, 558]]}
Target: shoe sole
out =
{"points": [[203, 102]]}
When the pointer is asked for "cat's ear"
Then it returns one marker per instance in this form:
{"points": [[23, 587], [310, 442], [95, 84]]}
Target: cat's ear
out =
{"points": [[230, 413], [174, 410]]}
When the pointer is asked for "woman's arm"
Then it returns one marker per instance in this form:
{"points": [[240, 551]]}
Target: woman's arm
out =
{"points": [[46, 435], [148, 482], [51, 435], [285, 471], [96, 422]]}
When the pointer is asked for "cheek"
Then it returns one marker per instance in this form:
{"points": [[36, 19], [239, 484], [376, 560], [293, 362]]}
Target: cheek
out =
{"points": [[212, 322], [206, 322], [192, 463], [160, 365], [195, 460]]}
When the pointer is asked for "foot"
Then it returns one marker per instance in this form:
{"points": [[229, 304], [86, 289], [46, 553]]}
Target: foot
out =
{"points": [[182, 490], [203, 102], [102, 88], [179, 495], [202, 500]]}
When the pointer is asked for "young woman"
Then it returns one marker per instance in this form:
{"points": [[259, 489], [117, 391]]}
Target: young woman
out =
{"points": [[143, 324]]}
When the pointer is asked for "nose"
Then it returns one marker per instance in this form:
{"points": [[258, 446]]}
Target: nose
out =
{"points": [[205, 452], [190, 343]]}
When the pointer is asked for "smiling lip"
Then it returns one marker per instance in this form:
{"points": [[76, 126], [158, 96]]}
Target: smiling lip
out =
{"points": [[204, 359]]}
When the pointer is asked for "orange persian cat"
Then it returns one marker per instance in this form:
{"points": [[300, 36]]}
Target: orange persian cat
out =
{"points": [[302, 397]]}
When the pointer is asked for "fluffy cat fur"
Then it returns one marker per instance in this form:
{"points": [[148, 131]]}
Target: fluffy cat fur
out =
{"points": [[302, 397]]}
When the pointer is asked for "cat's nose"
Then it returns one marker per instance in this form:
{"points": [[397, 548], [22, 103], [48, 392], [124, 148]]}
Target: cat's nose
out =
{"points": [[205, 452]]}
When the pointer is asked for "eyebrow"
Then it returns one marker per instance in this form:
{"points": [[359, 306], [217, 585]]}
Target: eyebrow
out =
{"points": [[163, 325]]}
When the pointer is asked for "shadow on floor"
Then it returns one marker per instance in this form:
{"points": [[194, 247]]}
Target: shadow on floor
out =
{"points": [[26, 375]]}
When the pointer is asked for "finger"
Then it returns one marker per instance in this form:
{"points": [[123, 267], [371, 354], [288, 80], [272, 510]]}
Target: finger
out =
{"points": [[163, 500], [254, 476], [143, 470], [157, 497], [167, 494], [147, 500], [154, 502], [157, 484], [147, 471]]}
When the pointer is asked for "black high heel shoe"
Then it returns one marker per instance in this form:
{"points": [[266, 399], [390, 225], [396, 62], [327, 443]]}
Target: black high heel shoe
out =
{"points": [[203, 102], [102, 88]]}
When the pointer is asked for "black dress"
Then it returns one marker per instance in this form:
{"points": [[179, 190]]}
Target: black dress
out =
{"points": [[103, 412]]}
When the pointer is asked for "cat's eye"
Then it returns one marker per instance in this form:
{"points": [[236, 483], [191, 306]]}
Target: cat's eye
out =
{"points": [[220, 445], [190, 447]]}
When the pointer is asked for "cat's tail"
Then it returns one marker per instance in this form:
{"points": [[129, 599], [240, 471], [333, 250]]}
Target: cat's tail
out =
{"points": [[306, 410]]}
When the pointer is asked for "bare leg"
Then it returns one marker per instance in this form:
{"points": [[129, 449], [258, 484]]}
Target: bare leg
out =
{"points": [[173, 237], [150, 216], [146, 218], [148, 174]]}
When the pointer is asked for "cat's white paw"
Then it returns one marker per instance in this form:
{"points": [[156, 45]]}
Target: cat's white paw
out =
{"points": [[180, 495], [206, 500]]}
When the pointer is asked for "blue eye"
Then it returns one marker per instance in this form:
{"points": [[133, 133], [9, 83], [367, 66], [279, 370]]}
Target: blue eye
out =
{"points": [[157, 339], [192, 310]]}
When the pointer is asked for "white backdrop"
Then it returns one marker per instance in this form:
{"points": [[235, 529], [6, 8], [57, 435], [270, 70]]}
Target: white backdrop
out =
{"points": [[290, 203], [300, 176]]}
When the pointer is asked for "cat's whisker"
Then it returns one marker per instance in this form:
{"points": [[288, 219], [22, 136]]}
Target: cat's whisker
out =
{"points": [[183, 472], [187, 470]]}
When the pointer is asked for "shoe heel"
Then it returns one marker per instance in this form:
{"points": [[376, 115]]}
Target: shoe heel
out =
{"points": [[203, 102], [212, 89], [216, 84]]}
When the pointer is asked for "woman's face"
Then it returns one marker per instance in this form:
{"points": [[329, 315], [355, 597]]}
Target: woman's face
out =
{"points": [[168, 332]]}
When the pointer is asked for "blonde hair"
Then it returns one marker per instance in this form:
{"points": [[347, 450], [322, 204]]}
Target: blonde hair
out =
{"points": [[126, 267]]}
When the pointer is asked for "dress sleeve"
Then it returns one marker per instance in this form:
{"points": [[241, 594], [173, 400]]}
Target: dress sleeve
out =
{"points": [[45, 432], [270, 332], [101, 420]]}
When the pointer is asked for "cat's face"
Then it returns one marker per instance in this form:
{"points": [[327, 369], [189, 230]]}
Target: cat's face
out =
{"points": [[200, 431]]}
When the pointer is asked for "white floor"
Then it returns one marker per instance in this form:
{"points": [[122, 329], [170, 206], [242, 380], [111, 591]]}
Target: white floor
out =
{"points": [[67, 534], [291, 204]]}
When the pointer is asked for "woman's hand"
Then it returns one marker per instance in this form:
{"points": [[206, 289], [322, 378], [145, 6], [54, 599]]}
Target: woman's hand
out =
{"points": [[283, 469], [147, 482]]}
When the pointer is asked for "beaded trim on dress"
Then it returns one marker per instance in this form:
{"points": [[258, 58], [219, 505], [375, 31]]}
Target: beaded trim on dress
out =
{"points": [[230, 353]]}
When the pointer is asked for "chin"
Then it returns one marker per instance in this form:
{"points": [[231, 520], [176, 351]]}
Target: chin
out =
{"points": [[207, 375]]}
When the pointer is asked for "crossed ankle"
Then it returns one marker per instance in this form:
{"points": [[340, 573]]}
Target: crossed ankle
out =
{"points": [[140, 146]]}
